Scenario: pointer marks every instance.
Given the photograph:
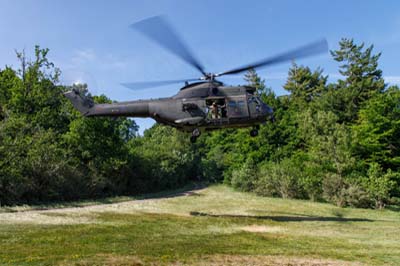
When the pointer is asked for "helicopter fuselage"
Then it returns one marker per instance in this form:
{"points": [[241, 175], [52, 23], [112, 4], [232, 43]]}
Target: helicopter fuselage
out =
{"points": [[204, 106]]}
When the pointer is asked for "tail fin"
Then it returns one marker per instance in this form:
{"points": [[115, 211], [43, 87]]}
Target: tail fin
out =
{"points": [[81, 103]]}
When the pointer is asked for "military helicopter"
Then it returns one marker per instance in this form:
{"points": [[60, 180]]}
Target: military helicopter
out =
{"points": [[205, 104]]}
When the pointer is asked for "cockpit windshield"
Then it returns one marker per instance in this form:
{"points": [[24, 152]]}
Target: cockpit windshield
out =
{"points": [[255, 104]]}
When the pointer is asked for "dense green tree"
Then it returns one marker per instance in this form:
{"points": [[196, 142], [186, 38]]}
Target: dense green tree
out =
{"points": [[8, 82], [276, 140], [304, 85], [47, 150], [362, 79], [253, 79], [98, 144], [377, 132], [13, 149], [166, 159]]}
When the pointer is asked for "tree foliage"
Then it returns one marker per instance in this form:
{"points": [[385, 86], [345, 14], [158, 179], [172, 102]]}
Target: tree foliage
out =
{"points": [[337, 142], [325, 138]]}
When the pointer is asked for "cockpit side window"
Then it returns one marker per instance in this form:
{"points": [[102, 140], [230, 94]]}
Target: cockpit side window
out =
{"points": [[254, 106]]}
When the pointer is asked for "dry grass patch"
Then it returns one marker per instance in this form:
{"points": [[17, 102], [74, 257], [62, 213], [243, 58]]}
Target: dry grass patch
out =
{"points": [[236, 260], [214, 260], [106, 260], [262, 229], [45, 218]]}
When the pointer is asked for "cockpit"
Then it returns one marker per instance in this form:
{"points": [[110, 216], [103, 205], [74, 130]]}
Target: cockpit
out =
{"points": [[257, 107]]}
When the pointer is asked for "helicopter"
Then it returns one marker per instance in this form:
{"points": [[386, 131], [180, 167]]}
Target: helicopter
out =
{"points": [[204, 103]]}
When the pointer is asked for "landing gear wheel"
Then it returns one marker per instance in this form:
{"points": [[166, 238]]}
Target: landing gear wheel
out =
{"points": [[195, 134], [254, 132]]}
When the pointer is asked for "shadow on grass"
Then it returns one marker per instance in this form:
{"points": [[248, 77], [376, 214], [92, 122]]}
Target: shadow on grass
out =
{"points": [[285, 218], [187, 190], [393, 208]]}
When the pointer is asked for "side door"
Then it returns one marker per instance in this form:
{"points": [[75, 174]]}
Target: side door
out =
{"points": [[216, 109]]}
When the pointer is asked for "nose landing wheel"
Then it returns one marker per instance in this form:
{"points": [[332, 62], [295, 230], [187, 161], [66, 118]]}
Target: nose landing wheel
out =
{"points": [[195, 134], [254, 131]]}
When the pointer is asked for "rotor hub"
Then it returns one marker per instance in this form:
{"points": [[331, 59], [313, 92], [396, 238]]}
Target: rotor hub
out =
{"points": [[209, 76]]}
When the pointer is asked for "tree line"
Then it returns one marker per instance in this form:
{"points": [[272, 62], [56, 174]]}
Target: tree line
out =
{"points": [[337, 142]]}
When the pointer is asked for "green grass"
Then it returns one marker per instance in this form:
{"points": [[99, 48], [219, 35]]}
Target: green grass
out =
{"points": [[215, 225]]}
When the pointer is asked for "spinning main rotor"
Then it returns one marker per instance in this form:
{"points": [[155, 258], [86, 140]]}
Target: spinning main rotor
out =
{"points": [[160, 31]]}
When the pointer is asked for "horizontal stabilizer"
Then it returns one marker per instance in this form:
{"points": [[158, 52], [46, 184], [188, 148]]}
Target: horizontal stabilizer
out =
{"points": [[82, 104]]}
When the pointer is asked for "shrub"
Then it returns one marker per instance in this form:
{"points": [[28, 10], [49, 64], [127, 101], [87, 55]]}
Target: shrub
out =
{"points": [[280, 179], [209, 170], [333, 186], [379, 184], [245, 177], [355, 196]]}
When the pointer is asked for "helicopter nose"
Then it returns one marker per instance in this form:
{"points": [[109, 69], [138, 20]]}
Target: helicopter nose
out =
{"points": [[267, 111]]}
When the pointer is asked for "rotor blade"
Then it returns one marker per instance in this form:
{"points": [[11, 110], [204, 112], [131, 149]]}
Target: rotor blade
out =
{"points": [[151, 84], [304, 51], [158, 30]]}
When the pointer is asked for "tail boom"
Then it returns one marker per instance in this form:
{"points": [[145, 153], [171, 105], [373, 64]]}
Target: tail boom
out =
{"points": [[87, 107]]}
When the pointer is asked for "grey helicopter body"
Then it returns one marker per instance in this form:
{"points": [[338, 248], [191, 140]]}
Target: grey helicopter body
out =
{"points": [[191, 109], [199, 106]]}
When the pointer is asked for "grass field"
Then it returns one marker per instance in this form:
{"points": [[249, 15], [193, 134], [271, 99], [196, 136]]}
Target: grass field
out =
{"points": [[209, 226]]}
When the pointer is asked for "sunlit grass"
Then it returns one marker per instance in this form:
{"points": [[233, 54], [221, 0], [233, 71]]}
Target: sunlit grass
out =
{"points": [[214, 225]]}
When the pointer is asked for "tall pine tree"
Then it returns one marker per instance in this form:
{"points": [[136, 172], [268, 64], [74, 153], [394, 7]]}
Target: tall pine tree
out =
{"points": [[362, 78], [304, 84]]}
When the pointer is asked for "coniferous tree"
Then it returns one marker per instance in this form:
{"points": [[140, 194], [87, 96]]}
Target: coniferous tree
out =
{"points": [[253, 79], [377, 132], [304, 85], [362, 79]]}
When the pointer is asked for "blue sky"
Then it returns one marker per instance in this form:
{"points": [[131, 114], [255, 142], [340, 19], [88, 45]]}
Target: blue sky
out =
{"points": [[91, 40]]}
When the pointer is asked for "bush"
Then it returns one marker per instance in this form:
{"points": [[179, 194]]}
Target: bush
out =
{"points": [[280, 179], [354, 195], [245, 178], [346, 191], [209, 170], [379, 184], [333, 186], [165, 159]]}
